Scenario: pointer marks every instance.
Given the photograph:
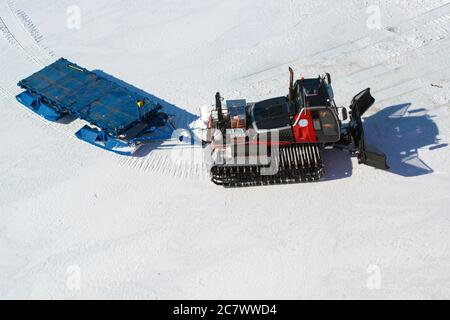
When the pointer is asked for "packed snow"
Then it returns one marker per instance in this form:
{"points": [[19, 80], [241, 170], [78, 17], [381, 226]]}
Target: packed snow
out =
{"points": [[80, 222]]}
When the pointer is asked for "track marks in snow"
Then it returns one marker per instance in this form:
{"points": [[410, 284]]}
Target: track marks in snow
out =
{"points": [[64, 129], [411, 57], [170, 159], [417, 41], [437, 15], [6, 94], [30, 28], [24, 38], [22, 34], [12, 40]]}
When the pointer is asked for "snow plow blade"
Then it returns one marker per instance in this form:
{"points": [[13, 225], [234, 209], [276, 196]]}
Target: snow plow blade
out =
{"points": [[368, 155], [371, 156]]}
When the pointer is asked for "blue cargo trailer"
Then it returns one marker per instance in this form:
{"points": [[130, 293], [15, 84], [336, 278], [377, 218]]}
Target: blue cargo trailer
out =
{"points": [[119, 119]]}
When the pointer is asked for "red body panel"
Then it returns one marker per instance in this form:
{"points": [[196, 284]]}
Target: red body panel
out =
{"points": [[304, 129]]}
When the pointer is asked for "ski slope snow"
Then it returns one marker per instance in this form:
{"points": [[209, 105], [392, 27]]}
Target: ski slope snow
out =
{"points": [[79, 222]]}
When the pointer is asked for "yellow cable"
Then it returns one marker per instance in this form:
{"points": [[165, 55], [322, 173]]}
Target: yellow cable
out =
{"points": [[73, 67]]}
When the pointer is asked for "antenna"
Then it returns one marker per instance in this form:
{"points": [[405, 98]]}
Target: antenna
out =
{"points": [[291, 84]]}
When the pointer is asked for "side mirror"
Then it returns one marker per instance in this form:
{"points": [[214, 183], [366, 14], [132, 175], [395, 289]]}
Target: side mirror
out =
{"points": [[328, 78], [344, 114]]}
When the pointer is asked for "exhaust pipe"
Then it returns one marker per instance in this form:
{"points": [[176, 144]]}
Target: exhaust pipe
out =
{"points": [[291, 84], [219, 108]]}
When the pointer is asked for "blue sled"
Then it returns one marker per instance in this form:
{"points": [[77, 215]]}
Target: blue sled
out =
{"points": [[103, 140], [124, 146], [119, 119], [35, 104]]}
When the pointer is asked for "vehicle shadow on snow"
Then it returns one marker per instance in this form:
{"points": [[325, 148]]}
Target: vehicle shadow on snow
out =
{"points": [[400, 131], [397, 131], [67, 119], [338, 164], [180, 117]]}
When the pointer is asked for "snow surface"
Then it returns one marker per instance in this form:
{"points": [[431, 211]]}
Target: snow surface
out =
{"points": [[153, 226]]}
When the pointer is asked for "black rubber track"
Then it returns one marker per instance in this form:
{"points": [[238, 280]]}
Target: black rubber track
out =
{"points": [[296, 164]]}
